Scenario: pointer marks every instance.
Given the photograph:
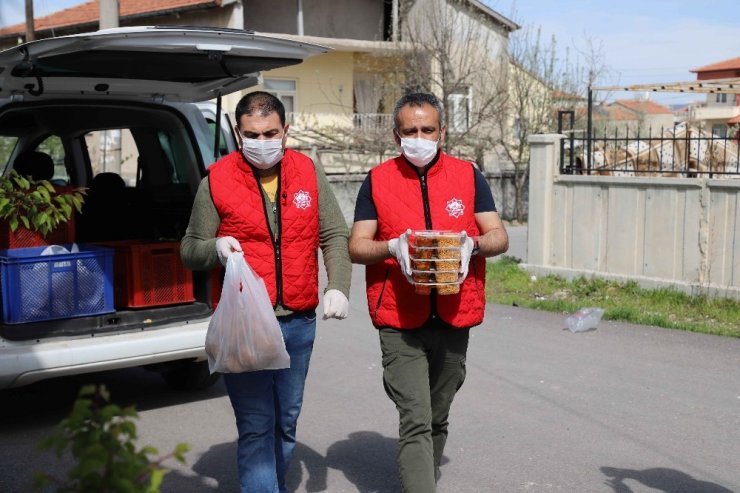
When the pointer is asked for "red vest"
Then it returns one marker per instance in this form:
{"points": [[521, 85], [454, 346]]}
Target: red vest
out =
{"points": [[443, 200], [287, 263]]}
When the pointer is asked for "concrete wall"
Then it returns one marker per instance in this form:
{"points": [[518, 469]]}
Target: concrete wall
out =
{"points": [[345, 187], [679, 232]]}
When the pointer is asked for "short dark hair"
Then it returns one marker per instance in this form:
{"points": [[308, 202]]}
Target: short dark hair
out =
{"points": [[417, 99], [261, 103]]}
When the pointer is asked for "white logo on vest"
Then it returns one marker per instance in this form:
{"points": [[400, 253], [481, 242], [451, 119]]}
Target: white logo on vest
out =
{"points": [[302, 199], [455, 207]]}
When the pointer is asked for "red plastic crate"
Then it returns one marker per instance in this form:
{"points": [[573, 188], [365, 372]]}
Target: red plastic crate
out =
{"points": [[149, 274], [24, 238]]}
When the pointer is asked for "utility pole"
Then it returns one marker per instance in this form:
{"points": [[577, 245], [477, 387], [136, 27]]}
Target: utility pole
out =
{"points": [[110, 143], [30, 33], [108, 14], [299, 18]]}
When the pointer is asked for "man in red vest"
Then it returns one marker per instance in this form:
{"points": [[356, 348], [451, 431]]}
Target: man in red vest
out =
{"points": [[423, 337], [274, 205]]}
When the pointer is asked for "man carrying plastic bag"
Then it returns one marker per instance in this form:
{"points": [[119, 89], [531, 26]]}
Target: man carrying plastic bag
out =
{"points": [[274, 205], [244, 333]]}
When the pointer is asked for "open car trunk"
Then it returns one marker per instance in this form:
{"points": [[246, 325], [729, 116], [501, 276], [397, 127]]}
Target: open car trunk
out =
{"points": [[138, 201], [121, 113]]}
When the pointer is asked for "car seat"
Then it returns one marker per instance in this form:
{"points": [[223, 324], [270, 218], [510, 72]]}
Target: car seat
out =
{"points": [[105, 213], [35, 164]]}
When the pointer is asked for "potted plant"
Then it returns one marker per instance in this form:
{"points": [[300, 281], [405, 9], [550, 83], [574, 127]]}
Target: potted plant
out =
{"points": [[32, 210]]}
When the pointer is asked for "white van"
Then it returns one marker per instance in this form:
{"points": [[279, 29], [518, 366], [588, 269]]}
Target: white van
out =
{"points": [[123, 102]]}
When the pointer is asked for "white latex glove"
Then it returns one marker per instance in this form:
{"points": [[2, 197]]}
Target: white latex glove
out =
{"points": [[399, 248], [336, 305], [466, 252], [225, 246]]}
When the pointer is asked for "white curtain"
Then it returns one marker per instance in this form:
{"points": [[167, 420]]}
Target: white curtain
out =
{"points": [[368, 91]]}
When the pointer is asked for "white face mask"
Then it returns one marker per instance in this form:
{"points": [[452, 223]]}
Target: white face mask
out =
{"points": [[262, 154], [419, 151]]}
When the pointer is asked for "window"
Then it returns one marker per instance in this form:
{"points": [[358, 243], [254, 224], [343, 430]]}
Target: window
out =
{"points": [[53, 146], [223, 148], [721, 97], [285, 90], [458, 110], [114, 151], [518, 128], [7, 144], [176, 161], [719, 130]]}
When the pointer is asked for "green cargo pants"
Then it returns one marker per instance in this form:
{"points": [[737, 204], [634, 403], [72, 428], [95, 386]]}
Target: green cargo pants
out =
{"points": [[422, 371]]}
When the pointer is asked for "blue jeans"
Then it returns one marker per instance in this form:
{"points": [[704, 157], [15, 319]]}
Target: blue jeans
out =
{"points": [[266, 405]]}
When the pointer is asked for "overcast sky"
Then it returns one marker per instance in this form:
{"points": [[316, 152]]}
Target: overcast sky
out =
{"points": [[644, 41]]}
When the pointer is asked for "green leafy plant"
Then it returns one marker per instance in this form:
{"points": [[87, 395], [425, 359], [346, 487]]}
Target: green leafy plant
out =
{"points": [[101, 438], [36, 205]]}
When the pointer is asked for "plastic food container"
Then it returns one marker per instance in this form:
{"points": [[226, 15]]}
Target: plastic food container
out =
{"points": [[435, 261]]}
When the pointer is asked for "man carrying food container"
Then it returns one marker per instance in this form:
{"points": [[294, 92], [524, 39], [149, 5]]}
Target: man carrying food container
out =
{"points": [[424, 224]]}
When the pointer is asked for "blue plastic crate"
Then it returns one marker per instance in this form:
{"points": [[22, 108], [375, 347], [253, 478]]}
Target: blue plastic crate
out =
{"points": [[39, 287]]}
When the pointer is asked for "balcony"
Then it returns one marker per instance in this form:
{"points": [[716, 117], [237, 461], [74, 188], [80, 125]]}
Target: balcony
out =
{"points": [[372, 121], [722, 113], [360, 121]]}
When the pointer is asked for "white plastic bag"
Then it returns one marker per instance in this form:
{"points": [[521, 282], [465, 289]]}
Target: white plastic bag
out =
{"points": [[244, 334], [584, 319]]}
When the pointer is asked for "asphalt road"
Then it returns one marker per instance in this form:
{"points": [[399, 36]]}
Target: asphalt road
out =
{"points": [[620, 409]]}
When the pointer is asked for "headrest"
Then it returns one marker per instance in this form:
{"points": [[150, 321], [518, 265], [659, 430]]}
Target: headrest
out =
{"points": [[37, 165], [107, 182]]}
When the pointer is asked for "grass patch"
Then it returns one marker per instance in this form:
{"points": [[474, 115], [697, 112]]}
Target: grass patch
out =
{"points": [[508, 284]]}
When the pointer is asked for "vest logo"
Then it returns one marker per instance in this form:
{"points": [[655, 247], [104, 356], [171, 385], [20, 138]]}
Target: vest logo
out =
{"points": [[302, 199], [455, 207]]}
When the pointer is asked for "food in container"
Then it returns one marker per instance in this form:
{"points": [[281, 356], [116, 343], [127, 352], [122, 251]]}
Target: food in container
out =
{"points": [[421, 264], [422, 289], [446, 277], [448, 289], [435, 261]]}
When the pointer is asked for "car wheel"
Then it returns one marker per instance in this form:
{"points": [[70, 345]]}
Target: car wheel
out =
{"points": [[190, 375]]}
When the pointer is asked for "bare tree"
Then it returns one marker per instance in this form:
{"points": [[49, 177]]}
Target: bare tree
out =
{"points": [[459, 54], [447, 48], [540, 84], [498, 87]]}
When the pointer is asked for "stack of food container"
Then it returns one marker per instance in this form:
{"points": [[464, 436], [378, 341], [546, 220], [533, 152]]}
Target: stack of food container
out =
{"points": [[435, 261]]}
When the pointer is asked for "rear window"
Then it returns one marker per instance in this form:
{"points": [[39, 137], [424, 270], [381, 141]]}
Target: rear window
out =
{"points": [[7, 144], [54, 147], [113, 151]]}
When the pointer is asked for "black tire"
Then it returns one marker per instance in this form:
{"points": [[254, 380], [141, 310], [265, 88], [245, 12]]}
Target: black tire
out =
{"points": [[190, 375]]}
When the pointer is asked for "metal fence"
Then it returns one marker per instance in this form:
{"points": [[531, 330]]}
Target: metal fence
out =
{"points": [[373, 121], [683, 150]]}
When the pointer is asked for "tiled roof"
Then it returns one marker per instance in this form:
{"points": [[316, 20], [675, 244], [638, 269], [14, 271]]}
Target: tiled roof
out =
{"points": [[89, 12], [647, 107], [617, 113], [731, 64]]}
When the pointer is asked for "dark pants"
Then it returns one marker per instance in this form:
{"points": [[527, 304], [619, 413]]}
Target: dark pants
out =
{"points": [[422, 371]]}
